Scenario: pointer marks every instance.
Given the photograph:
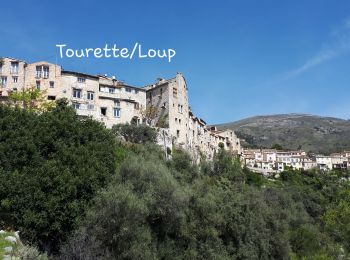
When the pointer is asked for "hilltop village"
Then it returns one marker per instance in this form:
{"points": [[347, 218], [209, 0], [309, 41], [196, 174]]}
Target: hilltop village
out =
{"points": [[267, 161], [163, 104]]}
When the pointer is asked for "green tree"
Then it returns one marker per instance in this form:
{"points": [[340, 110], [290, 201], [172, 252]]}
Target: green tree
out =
{"points": [[137, 217], [305, 241], [277, 147], [31, 99], [135, 133], [52, 164], [337, 219], [226, 164]]}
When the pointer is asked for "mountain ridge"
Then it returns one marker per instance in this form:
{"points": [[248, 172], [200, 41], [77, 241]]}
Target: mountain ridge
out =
{"points": [[312, 133]]}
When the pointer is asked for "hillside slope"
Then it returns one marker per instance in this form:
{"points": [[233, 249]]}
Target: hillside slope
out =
{"points": [[292, 131]]}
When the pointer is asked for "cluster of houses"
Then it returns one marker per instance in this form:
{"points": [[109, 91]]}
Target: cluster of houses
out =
{"points": [[163, 104], [271, 160]]}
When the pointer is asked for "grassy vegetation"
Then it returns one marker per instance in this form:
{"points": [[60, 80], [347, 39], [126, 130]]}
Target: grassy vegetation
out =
{"points": [[4, 243]]}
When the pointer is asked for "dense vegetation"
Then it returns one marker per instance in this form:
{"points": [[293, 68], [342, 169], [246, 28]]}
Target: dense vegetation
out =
{"points": [[51, 165], [79, 191]]}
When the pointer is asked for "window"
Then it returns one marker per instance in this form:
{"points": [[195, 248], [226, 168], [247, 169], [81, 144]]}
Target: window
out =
{"points": [[161, 91], [14, 67], [175, 92], [38, 72], [178, 133], [117, 103], [81, 80], [128, 90], [45, 72], [15, 79], [52, 84], [111, 90], [90, 106], [137, 106], [76, 105], [90, 95], [180, 108], [103, 111], [76, 93], [116, 112], [51, 97], [3, 81], [42, 71], [38, 84], [136, 91]]}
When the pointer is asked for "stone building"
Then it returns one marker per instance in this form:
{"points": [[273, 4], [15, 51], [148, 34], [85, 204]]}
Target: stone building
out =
{"points": [[12, 72], [170, 99], [332, 162], [81, 89], [111, 101], [120, 103], [104, 99], [44, 76]]}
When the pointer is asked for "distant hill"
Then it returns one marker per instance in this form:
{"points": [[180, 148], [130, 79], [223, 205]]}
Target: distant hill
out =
{"points": [[294, 131]]}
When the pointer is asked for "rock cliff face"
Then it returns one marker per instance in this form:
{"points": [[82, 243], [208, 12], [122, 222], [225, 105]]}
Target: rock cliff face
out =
{"points": [[294, 131]]}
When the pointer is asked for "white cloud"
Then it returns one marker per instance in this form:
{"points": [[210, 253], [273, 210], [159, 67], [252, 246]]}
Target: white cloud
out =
{"points": [[338, 45], [316, 60]]}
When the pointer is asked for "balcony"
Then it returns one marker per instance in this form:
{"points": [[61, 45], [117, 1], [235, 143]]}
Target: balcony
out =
{"points": [[85, 112], [109, 94]]}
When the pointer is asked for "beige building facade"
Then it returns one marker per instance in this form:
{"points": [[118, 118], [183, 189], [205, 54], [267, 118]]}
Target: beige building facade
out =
{"points": [[12, 74], [44, 76], [102, 98]]}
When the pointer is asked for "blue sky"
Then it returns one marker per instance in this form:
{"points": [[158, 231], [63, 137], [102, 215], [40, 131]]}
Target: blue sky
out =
{"points": [[240, 58]]}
